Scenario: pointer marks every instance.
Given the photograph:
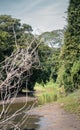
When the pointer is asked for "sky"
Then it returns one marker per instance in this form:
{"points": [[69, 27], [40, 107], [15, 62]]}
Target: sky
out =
{"points": [[42, 15]]}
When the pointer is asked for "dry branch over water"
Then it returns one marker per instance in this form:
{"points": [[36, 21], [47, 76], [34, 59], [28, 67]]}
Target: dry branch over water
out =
{"points": [[13, 70]]}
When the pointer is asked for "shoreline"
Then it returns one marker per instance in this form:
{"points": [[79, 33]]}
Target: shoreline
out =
{"points": [[22, 99]]}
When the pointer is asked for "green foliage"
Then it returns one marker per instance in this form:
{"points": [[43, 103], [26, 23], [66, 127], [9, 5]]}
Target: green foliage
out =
{"points": [[48, 93], [71, 102], [8, 27], [11, 28], [76, 68], [42, 74], [70, 53], [53, 38], [49, 65], [27, 28], [55, 64], [60, 75], [75, 74]]}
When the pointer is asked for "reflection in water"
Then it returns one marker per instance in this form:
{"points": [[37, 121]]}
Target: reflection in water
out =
{"points": [[29, 129], [32, 122]]}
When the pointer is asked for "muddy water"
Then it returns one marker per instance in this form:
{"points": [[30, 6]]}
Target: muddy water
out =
{"points": [[32, 121], [45, 117]]}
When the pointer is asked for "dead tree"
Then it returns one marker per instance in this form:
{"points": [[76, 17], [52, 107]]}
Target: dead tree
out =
{"points": [[12, 70]]}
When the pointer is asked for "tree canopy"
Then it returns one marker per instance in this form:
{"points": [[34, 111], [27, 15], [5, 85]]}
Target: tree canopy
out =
{"points": [[59, 60], [11, 28], [70, 53]]}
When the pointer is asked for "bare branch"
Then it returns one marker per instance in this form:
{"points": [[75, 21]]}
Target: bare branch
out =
{"points": [[13, 69]]}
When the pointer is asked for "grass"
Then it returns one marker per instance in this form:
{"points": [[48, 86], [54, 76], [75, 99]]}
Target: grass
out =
{"points": [[51, 92], [47, 87], [71, 103], [46, 94]]}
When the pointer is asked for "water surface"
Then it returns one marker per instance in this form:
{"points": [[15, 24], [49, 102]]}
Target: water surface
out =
{"points": [[29, 121]]}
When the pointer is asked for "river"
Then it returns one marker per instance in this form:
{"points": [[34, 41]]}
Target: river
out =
{"points": [[27, 118]]}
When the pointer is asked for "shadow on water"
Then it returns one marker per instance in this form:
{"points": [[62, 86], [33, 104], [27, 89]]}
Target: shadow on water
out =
{"points": [[32, 122]]}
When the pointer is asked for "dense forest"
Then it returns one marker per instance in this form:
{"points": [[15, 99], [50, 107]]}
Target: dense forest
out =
{"points": [[69, 70], [37, 69], [59, 52]]}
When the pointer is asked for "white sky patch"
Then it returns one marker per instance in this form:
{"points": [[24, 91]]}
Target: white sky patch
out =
{"points": [[46, 19], [45, 15]]}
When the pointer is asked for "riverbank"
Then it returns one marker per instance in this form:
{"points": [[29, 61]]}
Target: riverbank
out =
{"points": [[53, 117], [61, 115], [71, 103], [23, 99]]}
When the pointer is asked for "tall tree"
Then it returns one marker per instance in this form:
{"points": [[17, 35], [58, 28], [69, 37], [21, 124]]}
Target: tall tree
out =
{"points": [[11, 28], [70, 53]]}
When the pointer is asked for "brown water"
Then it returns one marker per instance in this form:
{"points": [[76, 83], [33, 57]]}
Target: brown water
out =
{"points": [[30, 121]]}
